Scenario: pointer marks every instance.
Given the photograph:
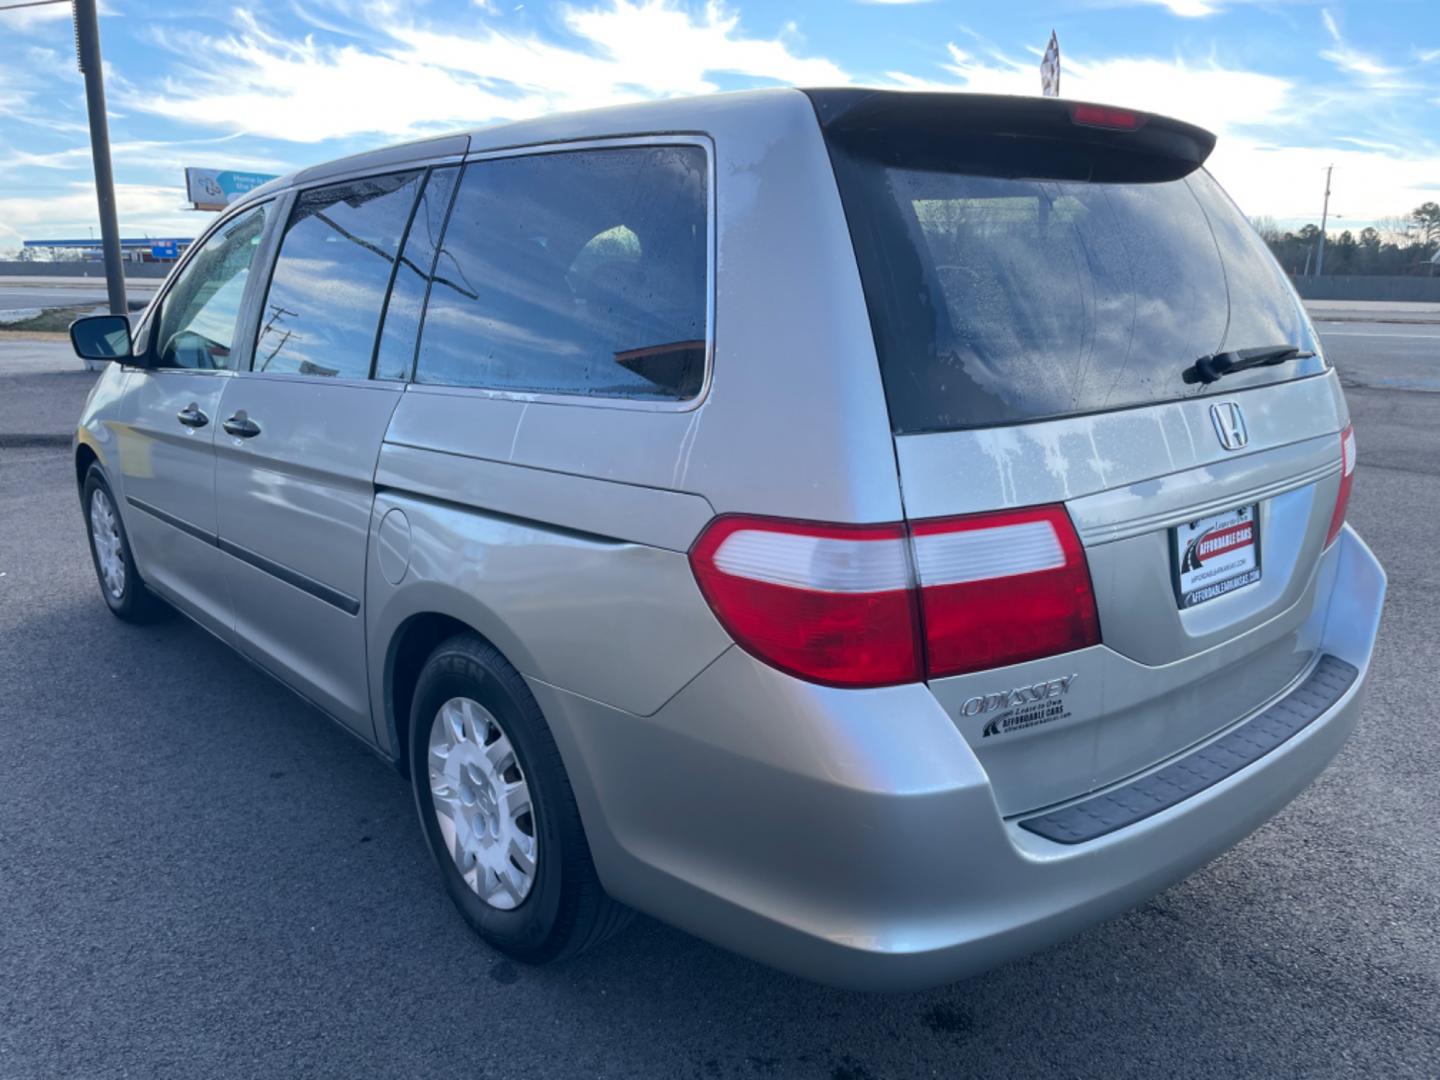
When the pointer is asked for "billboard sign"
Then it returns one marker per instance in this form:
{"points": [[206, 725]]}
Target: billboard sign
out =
{"points": [[1050, 68], [215, 189], [164, 249]]}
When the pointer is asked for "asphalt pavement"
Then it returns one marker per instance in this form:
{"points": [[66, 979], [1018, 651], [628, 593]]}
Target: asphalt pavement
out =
{"points": [[201, 876], [31, 293]]}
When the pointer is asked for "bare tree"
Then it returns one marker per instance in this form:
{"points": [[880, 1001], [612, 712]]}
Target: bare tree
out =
{"points": [[1266, 226], [1396, 230]]}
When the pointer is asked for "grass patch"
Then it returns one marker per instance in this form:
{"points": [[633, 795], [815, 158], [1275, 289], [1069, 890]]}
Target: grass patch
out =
{"points": [[51, 320]]}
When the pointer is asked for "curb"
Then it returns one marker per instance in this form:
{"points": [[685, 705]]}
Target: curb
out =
{"points": [[31, 442]]}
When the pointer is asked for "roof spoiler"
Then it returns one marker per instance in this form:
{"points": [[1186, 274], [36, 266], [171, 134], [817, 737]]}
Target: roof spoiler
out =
{"points": [[1006, 135]]}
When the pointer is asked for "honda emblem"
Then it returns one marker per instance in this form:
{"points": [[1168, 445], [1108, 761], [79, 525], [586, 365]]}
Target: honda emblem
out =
{"points": [[1229, 424]]}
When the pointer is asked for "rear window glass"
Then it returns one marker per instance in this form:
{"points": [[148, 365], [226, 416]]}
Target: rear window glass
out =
{"points": [[579, 272], [998, 301]]}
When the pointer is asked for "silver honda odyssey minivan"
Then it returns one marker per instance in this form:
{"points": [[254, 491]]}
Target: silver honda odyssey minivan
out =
{"points": [[881, 533]]}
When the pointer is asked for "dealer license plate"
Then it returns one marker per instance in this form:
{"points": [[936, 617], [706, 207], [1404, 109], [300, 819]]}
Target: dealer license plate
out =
{"points": [[1216, 555]]}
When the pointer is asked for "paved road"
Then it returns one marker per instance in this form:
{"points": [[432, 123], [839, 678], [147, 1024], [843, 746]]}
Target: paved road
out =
{"points": [[1374, 310], [200, 876], [21, 297], [1385, 356]]}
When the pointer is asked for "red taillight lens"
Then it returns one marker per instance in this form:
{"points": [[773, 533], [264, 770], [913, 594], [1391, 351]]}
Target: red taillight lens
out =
{"points": [[829, 603], [1347, 475], [1002, 588], [840, 605], [1104, 116]]}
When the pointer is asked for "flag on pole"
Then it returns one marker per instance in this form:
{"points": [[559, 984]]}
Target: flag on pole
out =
{"points": [[1050, 68]]}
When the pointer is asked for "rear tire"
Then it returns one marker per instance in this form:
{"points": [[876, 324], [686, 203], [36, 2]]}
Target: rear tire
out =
{"points": [[121, 585], [481, 752]]}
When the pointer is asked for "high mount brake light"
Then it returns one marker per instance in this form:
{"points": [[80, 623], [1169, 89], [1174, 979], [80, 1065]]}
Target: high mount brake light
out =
{"points": [[878, 605], [1105, 116], [1347, 477]]}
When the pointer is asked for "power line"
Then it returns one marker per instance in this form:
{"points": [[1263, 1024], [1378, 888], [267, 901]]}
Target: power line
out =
{"points": [[31, 3]]}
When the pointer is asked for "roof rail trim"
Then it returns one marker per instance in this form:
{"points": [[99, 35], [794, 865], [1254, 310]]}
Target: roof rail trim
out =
{"points": [[421, 150]]}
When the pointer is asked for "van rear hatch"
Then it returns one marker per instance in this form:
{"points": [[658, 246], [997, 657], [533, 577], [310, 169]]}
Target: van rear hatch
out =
{"points": [[1068, 310]]}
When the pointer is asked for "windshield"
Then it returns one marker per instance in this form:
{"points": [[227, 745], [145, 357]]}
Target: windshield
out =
{"points": [[997, 300]]}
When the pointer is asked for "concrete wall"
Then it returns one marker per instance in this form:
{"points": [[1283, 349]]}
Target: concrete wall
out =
{"points": [[80, 269], [1369, 287]]}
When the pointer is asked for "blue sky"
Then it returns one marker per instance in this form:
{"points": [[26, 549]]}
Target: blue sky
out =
{"points": [[1289, 85]]}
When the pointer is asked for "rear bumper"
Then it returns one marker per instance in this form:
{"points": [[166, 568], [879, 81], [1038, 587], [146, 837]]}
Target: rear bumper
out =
{"points": [[852, 837]]}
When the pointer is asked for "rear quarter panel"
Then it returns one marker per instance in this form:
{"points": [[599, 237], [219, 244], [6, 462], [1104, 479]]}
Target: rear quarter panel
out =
{"points": [[581, 583]]}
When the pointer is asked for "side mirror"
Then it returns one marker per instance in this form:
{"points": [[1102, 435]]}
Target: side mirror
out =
{"points": [[101, 337]]}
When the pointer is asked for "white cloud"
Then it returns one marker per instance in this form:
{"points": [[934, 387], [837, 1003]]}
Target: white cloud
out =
{"points": [[70, 209], [1375, 75], [151, 153], [1288, 182], [1193, 9], [1206, 93], [17, 91], [23, 20], [1190, 9], [27, 19], [390, 76], [426, 79], [655, 35], [1255, 117]]}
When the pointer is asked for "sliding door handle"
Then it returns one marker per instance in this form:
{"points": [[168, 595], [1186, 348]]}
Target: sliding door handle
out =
{"points": [[192, 417], [241, 426]]}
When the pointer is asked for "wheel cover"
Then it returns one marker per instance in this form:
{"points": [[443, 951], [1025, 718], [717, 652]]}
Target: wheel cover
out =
{"points": [[482, 803], [109, 551]]}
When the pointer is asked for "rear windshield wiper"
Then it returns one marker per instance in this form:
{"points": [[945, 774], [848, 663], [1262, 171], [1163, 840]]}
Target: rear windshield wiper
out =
{"points": [[1210, 368]]}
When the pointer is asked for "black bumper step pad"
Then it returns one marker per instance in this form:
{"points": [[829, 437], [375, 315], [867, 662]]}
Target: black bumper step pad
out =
{"points": [[1192, 774]]}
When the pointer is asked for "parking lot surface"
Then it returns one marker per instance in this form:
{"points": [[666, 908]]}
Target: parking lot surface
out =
{"points": [[17, 294], [201, 876]]}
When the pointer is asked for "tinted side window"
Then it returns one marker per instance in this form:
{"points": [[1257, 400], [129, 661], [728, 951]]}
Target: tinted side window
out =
{"points": [[401, 329], [582, 272], [198, 315], [323, 307]]}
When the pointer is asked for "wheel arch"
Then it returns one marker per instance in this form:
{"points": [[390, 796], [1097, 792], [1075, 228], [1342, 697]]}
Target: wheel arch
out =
{"points": [[410, 646], [414, 638], [431, 615], [85, 456]]}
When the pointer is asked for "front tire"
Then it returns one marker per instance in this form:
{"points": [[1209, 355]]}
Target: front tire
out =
{"points": [[121, 586], [497, 809]]}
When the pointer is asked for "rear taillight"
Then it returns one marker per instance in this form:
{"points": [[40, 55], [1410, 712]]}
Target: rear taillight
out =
{"points": [[828, 603], [841, 605], [1001, 588], [1347, 475]]}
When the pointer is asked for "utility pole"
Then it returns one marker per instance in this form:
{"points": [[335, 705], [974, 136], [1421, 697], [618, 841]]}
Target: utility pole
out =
{"points": [[1324, 217], [87, 53]]}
